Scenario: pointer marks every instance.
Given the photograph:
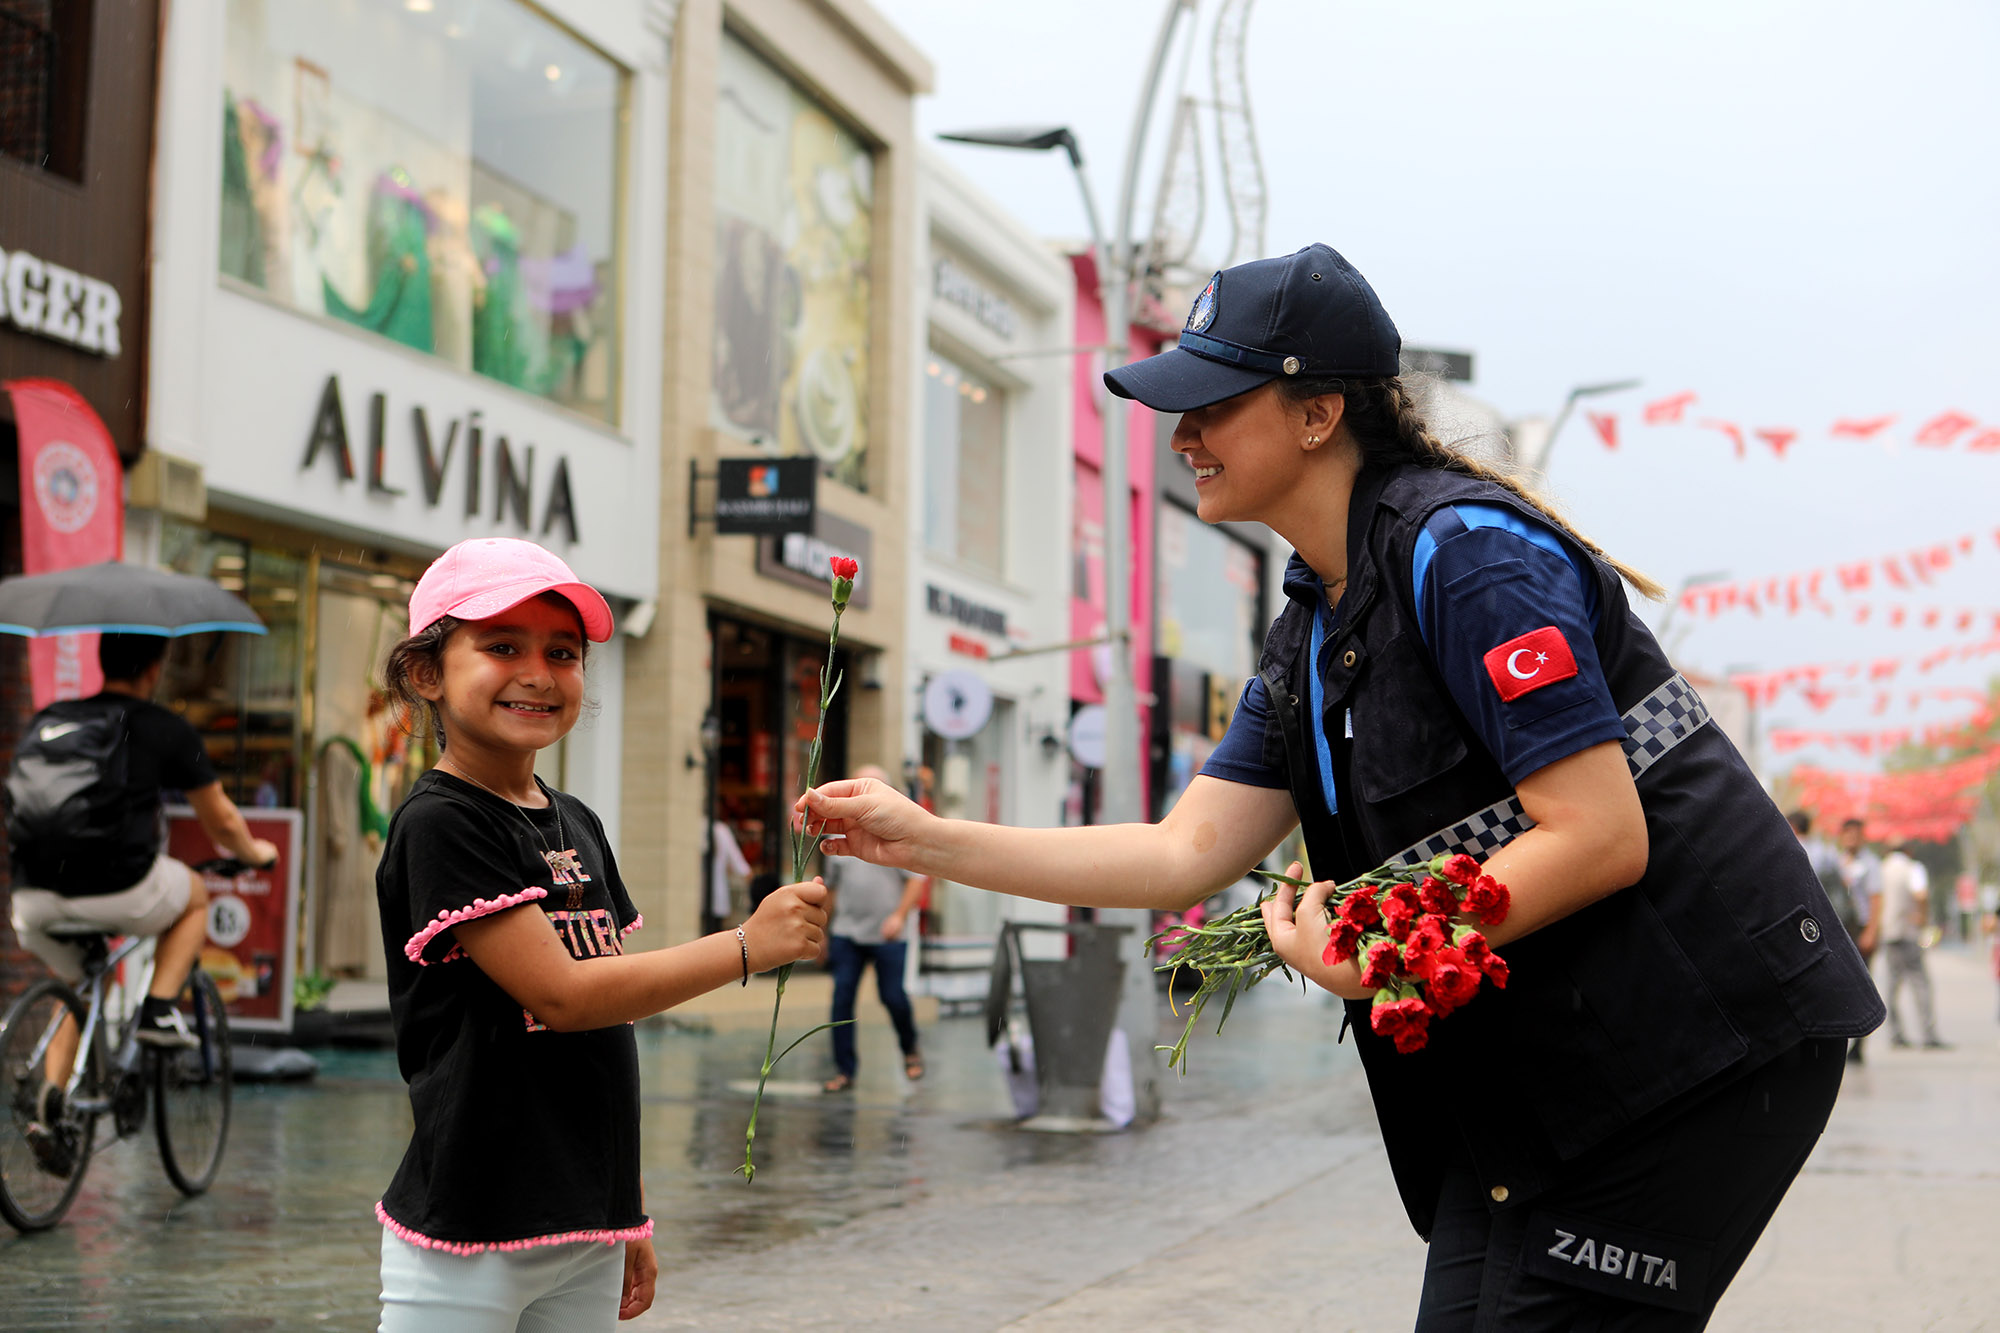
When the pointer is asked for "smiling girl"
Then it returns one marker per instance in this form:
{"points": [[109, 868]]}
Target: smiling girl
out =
{"points": [[518, 1202]]}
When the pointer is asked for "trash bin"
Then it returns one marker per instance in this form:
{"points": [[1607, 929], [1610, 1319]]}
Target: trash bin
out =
{"points": [[1072, 1008]]}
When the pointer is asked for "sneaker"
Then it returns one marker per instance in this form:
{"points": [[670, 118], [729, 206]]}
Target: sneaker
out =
{"points": [[162, 1027]]}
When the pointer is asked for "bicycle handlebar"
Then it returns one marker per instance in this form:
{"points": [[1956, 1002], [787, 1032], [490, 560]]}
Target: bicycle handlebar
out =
{"points": [[228, 867]]}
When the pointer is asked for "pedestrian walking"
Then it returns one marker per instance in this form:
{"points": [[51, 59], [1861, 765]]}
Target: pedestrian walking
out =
{"points": [[1861, 874], [1904, 910], [518, 1202], [872, 906], [1456, 669]]}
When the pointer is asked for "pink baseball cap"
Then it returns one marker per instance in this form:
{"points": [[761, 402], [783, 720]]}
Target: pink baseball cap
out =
{"points": [[480, 578]]}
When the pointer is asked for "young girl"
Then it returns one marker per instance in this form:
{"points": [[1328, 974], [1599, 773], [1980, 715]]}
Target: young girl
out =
{"points": [[1457, 670], [518, 1202]]}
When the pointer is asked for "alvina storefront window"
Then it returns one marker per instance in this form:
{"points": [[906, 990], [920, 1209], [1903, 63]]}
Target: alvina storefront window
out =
{"points": [[444, 173]]}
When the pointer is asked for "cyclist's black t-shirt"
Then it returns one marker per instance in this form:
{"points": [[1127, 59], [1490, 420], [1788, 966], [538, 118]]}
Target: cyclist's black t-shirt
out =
{"points": [[163, 753], [523, 1133]]}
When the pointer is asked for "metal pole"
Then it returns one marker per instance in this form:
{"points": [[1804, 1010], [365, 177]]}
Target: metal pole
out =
{"points": [[1119, 794]]}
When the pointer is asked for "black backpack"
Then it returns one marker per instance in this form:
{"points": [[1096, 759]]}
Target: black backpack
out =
{"points": [[74, 824]]}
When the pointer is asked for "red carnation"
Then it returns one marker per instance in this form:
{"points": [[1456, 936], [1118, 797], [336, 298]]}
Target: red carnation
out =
{"points": [[1380, 966], [1487, 900], [1450, 980], [843, 567], [1360, 908], [1459, 869], [1437, 896], [1480, 954], [1400, 909], [1344, 943], [1406, 1022], [1431, 933]]}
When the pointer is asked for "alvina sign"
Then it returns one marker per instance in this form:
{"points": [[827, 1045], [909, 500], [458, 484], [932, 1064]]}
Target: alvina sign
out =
{"points": [[439, 455], [50, 301]]}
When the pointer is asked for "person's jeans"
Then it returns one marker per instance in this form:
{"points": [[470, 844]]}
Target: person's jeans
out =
{"points": [[849, 958], [1906, 963]]}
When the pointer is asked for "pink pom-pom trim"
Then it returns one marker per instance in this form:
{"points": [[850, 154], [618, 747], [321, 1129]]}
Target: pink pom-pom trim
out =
{"points": [[637, 922], [421, 1241], [472, 911]]}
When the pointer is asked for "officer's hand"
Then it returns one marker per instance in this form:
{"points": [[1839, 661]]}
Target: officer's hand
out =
{"points": [[1299, 928]]}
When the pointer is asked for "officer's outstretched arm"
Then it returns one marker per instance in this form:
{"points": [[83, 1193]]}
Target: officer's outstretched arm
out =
{"points": [[1589, 840], [1211, 838]]}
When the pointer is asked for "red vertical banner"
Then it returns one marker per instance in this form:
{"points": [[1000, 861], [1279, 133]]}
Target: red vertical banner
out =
{"points": [[72, 513]]}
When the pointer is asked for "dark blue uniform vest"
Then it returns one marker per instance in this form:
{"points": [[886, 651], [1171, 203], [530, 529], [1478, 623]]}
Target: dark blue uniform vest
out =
{"points": [[1725, 954]]}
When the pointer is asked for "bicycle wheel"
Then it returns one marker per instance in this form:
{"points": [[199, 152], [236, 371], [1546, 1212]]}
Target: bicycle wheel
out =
{"points": [[191, 1090], [39, 1177]]}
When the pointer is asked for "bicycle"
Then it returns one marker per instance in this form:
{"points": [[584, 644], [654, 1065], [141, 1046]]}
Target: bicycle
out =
{"points": [[112, 1073]]}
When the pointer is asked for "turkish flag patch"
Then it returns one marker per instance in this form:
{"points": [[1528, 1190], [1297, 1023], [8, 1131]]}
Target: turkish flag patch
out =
{"points": [[1539, 657]]}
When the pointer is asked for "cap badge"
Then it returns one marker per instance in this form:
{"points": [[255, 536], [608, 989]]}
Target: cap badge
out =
{"points": [[1203, 313]]}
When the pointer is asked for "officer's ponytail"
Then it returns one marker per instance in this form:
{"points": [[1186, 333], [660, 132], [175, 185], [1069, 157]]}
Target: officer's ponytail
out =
{"points": [[1384, 421]]}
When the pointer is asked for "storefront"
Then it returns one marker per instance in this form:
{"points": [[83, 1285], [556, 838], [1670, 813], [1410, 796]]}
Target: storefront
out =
{"points": [[396, 298], [789, 251], [992, 485], [1150, 330], [1210, 612], [75, 157]]}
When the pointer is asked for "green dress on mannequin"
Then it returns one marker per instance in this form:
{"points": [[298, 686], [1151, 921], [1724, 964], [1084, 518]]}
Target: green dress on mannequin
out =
{"points": [[400, 263]]}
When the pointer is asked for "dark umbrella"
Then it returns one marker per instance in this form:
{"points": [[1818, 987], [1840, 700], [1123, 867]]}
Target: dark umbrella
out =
{"points": [[115, 598]]}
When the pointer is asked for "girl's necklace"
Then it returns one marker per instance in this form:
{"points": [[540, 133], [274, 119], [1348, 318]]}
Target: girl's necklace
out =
{"points": [[561, 861]]}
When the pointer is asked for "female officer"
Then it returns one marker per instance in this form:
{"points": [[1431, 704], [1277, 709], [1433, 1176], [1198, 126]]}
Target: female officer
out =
{"points": [[1456, 669]]}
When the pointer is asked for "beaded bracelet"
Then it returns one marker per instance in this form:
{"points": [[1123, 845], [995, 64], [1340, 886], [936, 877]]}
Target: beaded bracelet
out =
{"points": [[743, 943]]}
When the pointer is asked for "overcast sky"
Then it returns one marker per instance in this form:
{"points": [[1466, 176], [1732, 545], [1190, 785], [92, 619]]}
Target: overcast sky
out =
{"points": [[1789, 208]]}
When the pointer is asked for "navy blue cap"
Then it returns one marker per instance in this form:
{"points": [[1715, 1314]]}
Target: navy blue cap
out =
{"points": [[1308, 313]]}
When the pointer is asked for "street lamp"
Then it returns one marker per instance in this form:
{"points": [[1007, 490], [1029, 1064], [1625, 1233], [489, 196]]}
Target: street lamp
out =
{"points": [[1541, 459], [1119, 793]]}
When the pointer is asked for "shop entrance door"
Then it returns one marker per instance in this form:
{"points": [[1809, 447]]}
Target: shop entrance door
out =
{"points": [[766, 708], [363, 763]]}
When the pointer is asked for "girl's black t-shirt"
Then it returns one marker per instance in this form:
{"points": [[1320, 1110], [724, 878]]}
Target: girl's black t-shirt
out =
{"points": [[522, 1134]]}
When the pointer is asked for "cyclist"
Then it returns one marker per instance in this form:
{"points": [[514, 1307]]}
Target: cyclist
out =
{"points": [[86, 833]]}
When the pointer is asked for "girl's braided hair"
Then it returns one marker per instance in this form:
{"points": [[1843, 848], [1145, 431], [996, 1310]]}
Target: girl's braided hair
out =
{"points": [[1384, 421]]}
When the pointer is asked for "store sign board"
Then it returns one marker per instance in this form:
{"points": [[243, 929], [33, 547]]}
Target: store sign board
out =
{"points": [[957, 704], [766, 495], [43, 298], [347, 431], [953, 285], [949, 605], [251, 949], [801, 558]]}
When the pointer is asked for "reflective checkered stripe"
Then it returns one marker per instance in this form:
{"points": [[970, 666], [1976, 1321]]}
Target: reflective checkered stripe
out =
{"points": [[1653, 726]]}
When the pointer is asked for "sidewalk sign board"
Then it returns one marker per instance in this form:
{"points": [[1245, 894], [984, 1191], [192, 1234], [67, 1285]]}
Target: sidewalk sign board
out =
{"points": [[253, 920]]}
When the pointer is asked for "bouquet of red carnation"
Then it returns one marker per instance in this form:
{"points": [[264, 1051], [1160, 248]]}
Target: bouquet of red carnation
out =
{"points": [[1411, 927]]}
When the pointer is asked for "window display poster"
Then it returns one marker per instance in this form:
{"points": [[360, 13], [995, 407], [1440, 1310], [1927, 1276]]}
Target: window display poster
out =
{"points": [[252, 947], [795, 196]]}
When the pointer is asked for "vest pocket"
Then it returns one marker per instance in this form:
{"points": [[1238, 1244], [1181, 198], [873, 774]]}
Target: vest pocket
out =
{"points": [[1405, 731]]}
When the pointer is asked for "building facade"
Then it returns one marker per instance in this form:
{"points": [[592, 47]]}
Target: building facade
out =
{"points": [[408, 290], [790, 245], [990, 571], [76, 143]]}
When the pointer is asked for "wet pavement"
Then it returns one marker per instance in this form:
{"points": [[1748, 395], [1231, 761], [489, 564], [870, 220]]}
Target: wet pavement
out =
{"points": [[1261, 1198]]}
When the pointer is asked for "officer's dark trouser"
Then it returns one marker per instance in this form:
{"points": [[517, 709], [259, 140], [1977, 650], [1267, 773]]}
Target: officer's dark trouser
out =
{"points": [[1646, 1230]]}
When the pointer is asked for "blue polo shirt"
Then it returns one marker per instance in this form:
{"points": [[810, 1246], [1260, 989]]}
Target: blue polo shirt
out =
{"points": [[1484, 578]]}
